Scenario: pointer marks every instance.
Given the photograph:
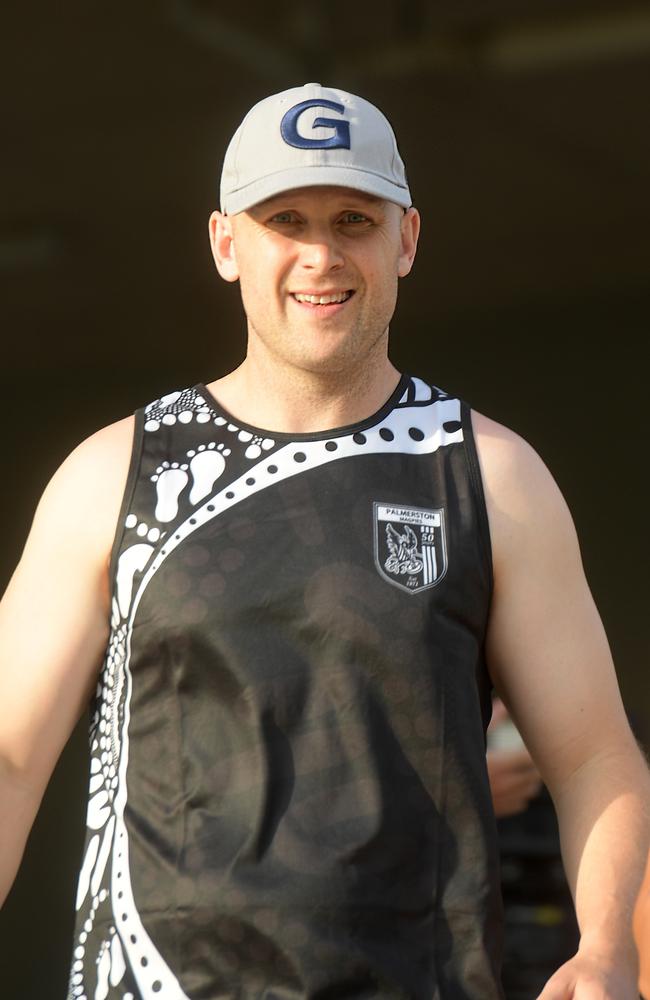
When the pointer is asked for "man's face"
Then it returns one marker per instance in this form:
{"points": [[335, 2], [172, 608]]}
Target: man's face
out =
{"points": [[318, 269]]}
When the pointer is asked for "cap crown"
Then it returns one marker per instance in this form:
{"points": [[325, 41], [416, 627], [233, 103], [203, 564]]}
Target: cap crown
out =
{"points": [[307, 136]]}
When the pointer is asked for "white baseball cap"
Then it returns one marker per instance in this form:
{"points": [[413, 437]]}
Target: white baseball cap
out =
{"points": [[307, 136]]}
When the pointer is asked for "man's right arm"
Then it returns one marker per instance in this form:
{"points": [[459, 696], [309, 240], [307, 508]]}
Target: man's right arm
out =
{"points": [[642, 932], [54, 626]]}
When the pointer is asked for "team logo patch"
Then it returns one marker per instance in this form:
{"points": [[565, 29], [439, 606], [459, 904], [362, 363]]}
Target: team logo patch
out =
{"points": [[339, 139], [410, 545]]}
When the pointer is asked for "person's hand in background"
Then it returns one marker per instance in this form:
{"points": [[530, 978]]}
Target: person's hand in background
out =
{"points": [[514, 779]]}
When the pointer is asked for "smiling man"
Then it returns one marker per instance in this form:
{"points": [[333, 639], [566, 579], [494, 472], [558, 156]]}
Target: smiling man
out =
{"points": [[292, 591]]}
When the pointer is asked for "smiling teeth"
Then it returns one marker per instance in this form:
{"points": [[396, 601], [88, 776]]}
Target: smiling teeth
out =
{"points": [[322, 300]]}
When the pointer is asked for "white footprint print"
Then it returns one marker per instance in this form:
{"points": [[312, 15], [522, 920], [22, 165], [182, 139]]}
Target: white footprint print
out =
{"points": [[206, 465], [134, 559], [170, 482]]}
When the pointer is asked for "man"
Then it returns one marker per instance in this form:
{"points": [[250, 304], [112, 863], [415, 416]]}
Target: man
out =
{"points": [[301, 581]]}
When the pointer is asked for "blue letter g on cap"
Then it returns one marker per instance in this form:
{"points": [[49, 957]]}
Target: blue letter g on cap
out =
{"points": [[290, 134]]}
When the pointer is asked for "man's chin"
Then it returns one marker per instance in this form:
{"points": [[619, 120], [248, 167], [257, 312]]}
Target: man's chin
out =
{"points": [[332, 365], [324, 350]]}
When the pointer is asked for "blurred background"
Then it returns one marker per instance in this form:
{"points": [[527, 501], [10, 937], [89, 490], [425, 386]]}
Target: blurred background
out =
{"points": [[524, 127]]}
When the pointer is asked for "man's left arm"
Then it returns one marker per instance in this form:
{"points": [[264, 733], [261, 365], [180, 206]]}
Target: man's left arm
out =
{"points": [[550, 662]]}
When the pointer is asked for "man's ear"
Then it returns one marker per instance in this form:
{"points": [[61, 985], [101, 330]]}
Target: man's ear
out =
{"points": [[223, 247], [410, 230]]}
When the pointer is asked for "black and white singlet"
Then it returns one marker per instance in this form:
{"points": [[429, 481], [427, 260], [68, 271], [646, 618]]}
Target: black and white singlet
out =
{"points": [[288, 791]]}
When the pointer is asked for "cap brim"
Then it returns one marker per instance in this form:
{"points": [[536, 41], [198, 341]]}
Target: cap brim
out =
{"points": [[313, 176]]}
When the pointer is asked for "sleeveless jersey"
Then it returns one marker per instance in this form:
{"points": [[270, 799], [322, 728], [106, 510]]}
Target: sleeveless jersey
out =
{"points": [[288, 791]]}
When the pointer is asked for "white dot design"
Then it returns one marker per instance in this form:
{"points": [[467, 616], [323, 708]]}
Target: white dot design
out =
{"points": [[104, 880]]}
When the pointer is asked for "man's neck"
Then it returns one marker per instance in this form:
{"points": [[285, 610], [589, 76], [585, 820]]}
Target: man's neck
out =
{"points": [[299, 402]]}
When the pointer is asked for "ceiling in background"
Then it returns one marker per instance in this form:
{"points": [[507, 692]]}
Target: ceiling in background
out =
{"points": [[523, 126]]}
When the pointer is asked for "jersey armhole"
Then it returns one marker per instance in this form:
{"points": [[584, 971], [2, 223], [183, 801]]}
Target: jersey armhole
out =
{"points": [[131, 480], [476, 480]]}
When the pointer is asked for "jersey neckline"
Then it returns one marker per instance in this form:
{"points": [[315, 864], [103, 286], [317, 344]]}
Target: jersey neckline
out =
{"points": [[333, 432]]}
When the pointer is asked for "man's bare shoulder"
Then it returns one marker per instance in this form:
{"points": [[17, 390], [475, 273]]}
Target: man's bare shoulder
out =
{"points": [[101, 451], [519, 488], [86, 491], [508, 459]]}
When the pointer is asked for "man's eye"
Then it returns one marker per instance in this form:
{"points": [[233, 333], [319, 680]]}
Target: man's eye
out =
{"points": [[354, 217], [283, 217]]}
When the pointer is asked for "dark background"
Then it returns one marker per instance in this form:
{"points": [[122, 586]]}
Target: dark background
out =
{"points": [[524, 126]]}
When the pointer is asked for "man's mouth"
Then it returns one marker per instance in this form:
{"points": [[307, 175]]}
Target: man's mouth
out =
{"points": [[332, 298]]}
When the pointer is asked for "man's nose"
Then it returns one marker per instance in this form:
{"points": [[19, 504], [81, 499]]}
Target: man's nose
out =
{"points": [[321, 252]]}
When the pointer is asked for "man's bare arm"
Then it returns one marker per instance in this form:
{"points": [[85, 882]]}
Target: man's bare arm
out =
{"points": [[53, 628], [550, 661], [642, 932]]}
